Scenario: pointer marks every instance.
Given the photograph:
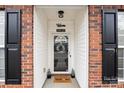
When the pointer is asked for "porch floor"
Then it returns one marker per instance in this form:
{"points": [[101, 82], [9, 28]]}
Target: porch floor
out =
{"points": [[50, 84]]}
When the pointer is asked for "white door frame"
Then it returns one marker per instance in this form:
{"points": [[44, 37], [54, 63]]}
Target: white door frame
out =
{"points": [[69, 53]]}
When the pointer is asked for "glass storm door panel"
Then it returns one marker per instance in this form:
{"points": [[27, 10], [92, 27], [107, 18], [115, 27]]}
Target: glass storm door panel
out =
{"points": [[61, 53]]}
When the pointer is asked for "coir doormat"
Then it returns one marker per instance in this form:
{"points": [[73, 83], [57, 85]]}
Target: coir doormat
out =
{"points": [[62, 79]]}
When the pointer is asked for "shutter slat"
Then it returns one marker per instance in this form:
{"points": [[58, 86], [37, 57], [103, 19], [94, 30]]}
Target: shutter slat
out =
{"points": [[12, 47], [109, 66]]}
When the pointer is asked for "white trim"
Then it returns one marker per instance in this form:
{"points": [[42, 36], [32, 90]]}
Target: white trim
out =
{"points": [[2, 46], [119, 46], [62, 6], [61, 72], [2, 80], [2, 68], [120, 35], [87, 67], [120, 80], [120, 57], [120, 68]]}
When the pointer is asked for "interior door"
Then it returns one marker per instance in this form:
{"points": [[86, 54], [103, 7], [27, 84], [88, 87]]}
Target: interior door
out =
{"points": [[61, 53]]}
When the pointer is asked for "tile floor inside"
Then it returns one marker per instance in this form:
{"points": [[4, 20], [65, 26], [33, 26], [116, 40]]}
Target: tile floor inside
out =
{"points": [[49, 83]]}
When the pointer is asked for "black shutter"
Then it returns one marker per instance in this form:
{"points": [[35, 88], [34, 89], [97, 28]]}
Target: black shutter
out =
{"points": [[109, 66], [12, 47]]}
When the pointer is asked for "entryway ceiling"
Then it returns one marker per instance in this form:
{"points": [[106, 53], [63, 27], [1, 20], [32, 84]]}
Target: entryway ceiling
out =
{"points": [[70, 11]]}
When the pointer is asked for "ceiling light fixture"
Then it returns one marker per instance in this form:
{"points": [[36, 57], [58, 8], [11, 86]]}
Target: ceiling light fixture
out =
{"points": [[60, 14]]}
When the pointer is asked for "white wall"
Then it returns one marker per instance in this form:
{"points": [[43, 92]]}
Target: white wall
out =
{"points": [[40, 47], [81, 48]]}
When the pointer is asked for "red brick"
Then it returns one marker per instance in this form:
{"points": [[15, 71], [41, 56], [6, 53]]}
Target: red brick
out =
{"points": [[26, 52], [95, 24]]}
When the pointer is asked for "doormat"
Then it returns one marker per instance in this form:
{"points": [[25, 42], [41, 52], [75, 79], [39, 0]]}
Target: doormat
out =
{"points": [[62, 79]]}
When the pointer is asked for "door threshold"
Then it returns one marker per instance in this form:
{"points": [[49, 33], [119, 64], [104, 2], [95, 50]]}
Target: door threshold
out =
{"points": [[54, 73]]}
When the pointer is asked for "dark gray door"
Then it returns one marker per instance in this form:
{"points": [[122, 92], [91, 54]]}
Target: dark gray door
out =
{"points": [[60, 53]]}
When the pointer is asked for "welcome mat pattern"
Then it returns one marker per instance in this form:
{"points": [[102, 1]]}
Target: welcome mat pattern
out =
{"points": [[62, 79]]}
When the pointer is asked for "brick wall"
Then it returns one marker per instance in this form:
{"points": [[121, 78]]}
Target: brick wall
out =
{"points": [[26, 47], [95, 61]]}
